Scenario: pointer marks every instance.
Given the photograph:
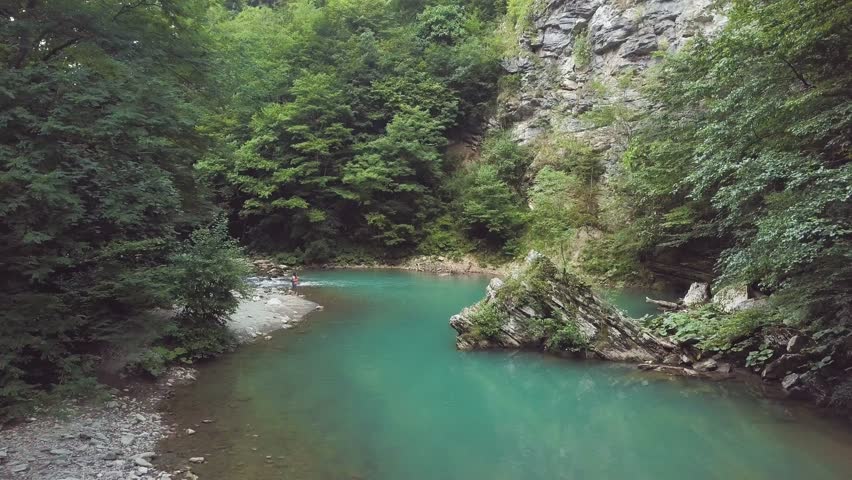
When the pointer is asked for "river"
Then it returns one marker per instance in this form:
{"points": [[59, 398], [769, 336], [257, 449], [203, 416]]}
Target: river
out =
{"points": [[372, 387]]}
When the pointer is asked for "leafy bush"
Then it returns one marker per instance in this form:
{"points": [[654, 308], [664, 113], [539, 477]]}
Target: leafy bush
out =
{"points": [[749, 151], [441, 23], [490, 210], [155, 361], [557, 336], [582, 48], [487, 321], [758, 358], [510, 159], [444, 237], [709, 328], [206, 271]]}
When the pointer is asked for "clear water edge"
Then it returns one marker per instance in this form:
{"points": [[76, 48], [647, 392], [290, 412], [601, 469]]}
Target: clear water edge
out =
{"points": [[373, 388]]}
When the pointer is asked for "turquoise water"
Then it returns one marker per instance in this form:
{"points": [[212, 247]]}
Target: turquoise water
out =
{"points": [[373, 388]]}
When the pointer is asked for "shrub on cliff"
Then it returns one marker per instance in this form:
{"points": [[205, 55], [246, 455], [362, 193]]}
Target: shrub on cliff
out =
{"points": [[749, 151]]}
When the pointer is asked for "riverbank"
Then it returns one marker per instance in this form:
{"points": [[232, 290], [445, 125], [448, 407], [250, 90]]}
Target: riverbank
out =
{"points": [[424, 263], [117, 438], [439, 265]]}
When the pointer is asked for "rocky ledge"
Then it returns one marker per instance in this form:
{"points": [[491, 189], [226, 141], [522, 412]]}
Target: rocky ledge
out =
{"points": [[540, 308]]}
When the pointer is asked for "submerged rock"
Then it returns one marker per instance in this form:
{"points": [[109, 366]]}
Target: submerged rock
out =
{"points": [[540, 308]]}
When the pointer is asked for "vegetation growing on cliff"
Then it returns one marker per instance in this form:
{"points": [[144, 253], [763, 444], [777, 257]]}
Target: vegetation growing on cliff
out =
{"points": [[750, 148]]}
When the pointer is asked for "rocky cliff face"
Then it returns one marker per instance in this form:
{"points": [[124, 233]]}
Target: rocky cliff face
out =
{"points": [[580, 54]]}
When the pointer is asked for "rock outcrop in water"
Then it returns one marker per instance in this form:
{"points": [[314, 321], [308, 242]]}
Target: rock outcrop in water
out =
{"points": [[540, 308]]}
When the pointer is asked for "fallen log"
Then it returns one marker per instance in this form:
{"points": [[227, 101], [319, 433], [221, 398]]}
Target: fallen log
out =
{"points": [[664, 304]]}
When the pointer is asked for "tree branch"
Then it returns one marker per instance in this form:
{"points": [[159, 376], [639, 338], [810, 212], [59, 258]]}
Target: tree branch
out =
{"points": [[798, 75], [54, 51]]}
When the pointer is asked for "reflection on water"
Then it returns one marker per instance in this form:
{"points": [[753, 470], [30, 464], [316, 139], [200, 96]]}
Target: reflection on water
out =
{"points": [[372, 388]]}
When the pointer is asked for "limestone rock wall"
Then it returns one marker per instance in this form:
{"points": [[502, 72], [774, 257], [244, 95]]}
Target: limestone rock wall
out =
{"points": [[577, 51]]}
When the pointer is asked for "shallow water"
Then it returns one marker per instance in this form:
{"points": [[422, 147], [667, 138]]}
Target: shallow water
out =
{"points": [[373, 388]]}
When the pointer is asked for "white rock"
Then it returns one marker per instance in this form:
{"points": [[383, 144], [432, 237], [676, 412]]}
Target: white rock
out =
{"points": [[127, 440], [190, 431], [730, 298], [196, 460], [274, 301], [139, 418], [698, 294]]}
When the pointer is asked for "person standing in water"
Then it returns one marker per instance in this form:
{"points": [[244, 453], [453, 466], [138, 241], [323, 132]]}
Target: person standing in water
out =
{"points": [[294, 282]]}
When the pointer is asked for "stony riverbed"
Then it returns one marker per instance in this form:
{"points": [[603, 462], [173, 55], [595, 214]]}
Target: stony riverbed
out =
{"points": [[116, 438]]}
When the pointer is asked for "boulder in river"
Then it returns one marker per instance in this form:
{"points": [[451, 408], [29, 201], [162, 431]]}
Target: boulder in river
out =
{"points": [[540, 308]]}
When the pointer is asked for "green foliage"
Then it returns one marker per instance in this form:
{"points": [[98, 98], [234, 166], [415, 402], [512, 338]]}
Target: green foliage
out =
{"points": [[487, 320], [749, 151], [614, 257], [441, 23], [758, 358], [582, 48], [490, 210], [390, 175], [709, 328], [206, 273], [557, 336], [532, 287], [508, 157], [519, 14], [96, 175], [155, 361], [444, 237], [209, 270], [342, 141]]}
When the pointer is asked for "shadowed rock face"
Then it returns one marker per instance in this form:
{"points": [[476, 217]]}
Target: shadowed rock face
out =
{"points": [[541, 309]]}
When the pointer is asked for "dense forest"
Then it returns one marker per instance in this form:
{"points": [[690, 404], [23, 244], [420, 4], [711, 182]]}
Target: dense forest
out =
{"points": [[147, 145]]}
